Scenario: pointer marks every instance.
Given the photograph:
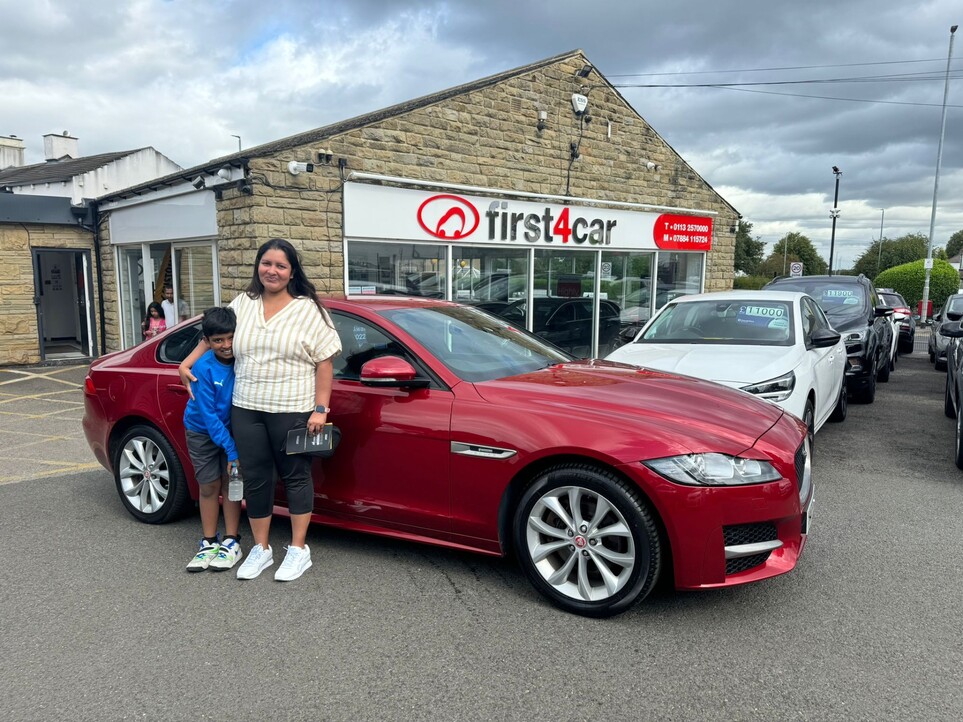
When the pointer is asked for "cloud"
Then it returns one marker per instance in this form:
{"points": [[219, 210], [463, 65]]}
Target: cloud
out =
{"points": [[184, 76]]}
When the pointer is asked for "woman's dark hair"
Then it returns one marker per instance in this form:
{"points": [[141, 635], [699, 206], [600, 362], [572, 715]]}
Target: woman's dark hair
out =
{"points": [[151, 307], [299, 285]]}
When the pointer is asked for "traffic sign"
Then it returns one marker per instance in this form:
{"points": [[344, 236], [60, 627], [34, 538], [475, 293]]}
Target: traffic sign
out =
{"points": [[795, 269]]}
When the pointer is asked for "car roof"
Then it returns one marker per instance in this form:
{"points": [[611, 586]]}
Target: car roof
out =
{"points": [[748, 295]]}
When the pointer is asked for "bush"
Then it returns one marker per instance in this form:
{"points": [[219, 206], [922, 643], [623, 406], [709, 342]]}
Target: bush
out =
{"points": [[747, 283], [908, 279]]}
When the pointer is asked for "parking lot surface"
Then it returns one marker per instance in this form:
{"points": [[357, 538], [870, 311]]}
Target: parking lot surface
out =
{"points": [[102, 622]]}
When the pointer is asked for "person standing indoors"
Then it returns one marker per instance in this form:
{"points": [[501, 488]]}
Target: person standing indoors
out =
{"points": [[153, 322], [172, 316], [283, 346]]}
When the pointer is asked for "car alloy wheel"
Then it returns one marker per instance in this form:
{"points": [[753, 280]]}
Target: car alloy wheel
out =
{"points": [[587, 541], [149, 476], [809, 418]]}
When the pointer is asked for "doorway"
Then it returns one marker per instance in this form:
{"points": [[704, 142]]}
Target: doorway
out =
{"points": [[65, 306]]}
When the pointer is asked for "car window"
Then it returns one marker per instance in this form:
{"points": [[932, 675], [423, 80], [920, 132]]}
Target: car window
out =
{"points": [[840, 301], [176, 347], [361, 341], [748, 321]]}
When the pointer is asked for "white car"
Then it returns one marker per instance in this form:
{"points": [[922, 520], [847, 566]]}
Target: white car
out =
{"points": [[777, 345]]}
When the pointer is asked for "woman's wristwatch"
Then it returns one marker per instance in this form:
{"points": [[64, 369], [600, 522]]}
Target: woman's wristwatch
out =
{"points": [[321, 409]]}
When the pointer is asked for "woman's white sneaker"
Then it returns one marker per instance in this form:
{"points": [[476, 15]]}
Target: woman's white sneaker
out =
{"points": [[258, 559], [296, 562]]}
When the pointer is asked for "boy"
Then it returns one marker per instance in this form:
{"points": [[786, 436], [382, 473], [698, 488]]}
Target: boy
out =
{"points": [[209, 443]]}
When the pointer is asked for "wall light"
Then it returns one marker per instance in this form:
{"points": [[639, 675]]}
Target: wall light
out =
{"points": [[584, 72], [199, 182], [542, 120]]}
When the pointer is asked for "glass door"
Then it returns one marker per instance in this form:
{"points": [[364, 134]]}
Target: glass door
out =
{"points": [[195, 279], [133, 306], [627, 283]]}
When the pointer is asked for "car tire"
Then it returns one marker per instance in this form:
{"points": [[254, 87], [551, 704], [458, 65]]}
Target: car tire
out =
{"points": [[809, 418], [932, 357], [948, 408], [842, 404], [882, 374], [940, 365], [149, 477], [868, 394], [557, 541], [959, 442]]}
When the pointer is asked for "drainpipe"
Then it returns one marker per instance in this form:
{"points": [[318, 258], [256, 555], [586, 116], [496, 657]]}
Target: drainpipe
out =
{"points": [[95, 222]]}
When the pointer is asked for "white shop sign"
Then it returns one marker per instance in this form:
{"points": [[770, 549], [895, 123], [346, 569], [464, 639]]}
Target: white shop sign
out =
{"points": [[379, 212]]}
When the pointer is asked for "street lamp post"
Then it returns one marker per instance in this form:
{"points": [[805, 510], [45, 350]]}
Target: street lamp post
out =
{"points": [[936, 183], [835, 214], [238, 141], [879, 256]]}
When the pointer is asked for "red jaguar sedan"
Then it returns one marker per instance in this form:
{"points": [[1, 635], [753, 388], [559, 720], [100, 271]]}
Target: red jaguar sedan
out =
{"points": [[461, 430]]}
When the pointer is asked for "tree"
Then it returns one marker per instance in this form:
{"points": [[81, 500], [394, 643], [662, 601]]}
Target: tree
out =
{"points": [[895, 252], [953, 246], [749, 250], [908, 280], [792, 247]]}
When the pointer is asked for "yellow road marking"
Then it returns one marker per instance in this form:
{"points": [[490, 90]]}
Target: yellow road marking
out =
{"points": [[46, 474]]}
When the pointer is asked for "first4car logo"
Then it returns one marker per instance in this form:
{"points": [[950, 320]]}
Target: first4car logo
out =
{"points": [[449, 216]]}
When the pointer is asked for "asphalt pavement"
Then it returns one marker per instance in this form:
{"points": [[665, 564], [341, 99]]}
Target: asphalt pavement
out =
{"points": [[101, 622]]}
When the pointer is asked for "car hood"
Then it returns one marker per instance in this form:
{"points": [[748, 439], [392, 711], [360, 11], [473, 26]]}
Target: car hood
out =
{"points": [[667, 413], [725, 364]]}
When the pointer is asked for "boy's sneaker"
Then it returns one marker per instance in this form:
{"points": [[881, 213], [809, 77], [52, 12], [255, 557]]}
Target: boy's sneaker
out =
{"points": [[227, 555], [205, 555], [258, 559], [296, 562]]}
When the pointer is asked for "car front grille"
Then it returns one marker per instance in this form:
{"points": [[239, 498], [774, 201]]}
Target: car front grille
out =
{"points": [[739, 536]]}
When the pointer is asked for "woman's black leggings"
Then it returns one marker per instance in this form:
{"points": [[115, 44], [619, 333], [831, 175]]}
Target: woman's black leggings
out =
{"points": [[260, 437]]}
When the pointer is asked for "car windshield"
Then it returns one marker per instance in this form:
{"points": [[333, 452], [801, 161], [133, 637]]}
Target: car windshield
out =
{"points": [[475, 345], [839, 301], [893, 299], [954, 304], [740, 322]]}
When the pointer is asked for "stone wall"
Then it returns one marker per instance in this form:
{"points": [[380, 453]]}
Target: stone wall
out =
{"points": [[488, 138], [19, 333]]}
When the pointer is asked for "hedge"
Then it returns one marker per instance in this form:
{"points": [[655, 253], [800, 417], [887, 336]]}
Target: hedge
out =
{"points": [[908, 279]]}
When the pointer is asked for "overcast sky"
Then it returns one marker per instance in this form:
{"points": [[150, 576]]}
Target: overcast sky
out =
{"points": [[184, 75]]}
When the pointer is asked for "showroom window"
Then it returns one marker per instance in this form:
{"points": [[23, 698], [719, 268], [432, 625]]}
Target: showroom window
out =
{"points": [[405, 269]]}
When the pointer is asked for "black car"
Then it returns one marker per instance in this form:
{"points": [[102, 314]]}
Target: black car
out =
{"points": [[855, 310], [938, 344], [903, 316], [565, 322], [953, 331]]}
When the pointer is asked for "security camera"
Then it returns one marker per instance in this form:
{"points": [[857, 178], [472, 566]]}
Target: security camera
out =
{"points": [[649, 165], [198, 182], [224, 173], [295, 168]]}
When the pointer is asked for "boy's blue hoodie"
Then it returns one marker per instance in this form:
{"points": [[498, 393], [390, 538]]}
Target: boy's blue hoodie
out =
{"points": [[209, 412]]}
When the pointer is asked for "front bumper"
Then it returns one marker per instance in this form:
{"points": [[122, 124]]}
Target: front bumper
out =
{"points": [[726, 536]]}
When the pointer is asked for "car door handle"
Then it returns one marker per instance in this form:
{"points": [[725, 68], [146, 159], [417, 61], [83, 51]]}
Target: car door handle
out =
{"points": [[177, 389]]}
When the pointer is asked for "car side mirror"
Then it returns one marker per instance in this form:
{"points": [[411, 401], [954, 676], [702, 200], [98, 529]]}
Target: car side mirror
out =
{"points": [[392, 372], [954, 329], [883, 311], [825, 337]]}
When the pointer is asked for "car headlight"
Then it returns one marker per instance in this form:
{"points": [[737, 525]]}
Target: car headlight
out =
{"points": [[778, 389], [713, 470], [856, 338]]}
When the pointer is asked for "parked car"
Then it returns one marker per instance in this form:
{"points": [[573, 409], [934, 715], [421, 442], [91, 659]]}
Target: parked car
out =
{"points": [[461, 430], [903, 316], [565, 322], [855, 310], [953, 396], [938, 342], [777, 345]]}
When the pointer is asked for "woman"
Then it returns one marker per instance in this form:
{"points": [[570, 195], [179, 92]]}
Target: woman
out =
{"points": [[283, 347]]}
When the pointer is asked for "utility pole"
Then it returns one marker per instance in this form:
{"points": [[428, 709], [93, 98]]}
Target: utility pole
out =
{"points": [[936, 184], [835, 214], [879, 256]]}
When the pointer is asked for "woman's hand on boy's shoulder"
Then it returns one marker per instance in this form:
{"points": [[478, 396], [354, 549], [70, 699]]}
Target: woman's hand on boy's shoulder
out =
{"points": [[187, 378]]}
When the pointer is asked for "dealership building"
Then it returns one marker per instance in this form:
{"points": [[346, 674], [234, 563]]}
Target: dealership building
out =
{"points": [[538, 193]]}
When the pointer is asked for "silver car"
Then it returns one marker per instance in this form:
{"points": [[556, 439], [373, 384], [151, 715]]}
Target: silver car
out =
{"points": [[952, 311]]}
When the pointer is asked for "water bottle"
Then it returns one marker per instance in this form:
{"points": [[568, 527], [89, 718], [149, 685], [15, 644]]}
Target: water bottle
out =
{"points": [[235, 487]]}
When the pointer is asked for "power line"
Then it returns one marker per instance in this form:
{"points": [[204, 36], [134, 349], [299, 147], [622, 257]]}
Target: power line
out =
{"points": [[832, 97], [766, 70]]}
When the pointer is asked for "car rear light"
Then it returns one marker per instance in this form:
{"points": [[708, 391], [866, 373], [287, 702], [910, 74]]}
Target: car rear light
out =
{"points": [[89, 387]]}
